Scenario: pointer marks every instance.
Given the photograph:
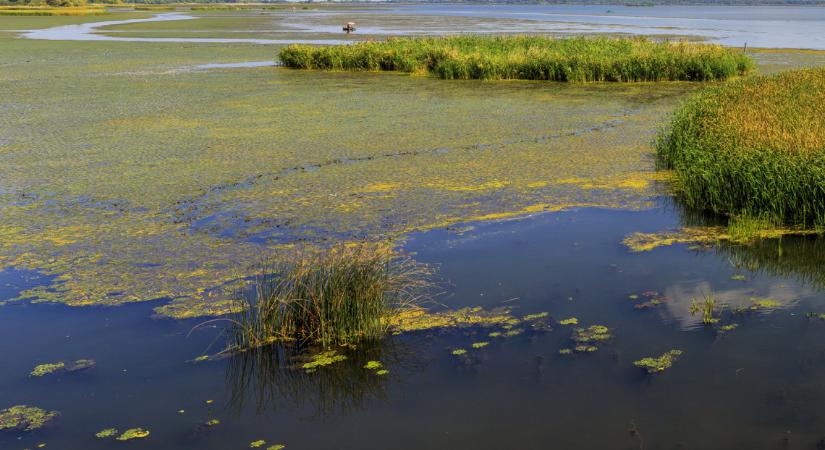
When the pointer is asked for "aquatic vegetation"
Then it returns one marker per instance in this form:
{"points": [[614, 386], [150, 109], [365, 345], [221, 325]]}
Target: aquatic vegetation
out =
{"points": [[339, 296], [25, 418], [738, 277], [565, 351], [758, 303], [257, 444], [587, 338], [706, 308], [133, 433], [459, 352], [373, 365], [815, 315], [480, 344], [752, 149], [660, 363], [532, 317], [382, 372], [570, 321], [577, 59], [212, 422], [513, 332], [106, 433], [419, 319], [727, 328], [45, 369], [322, 360], [184, 234], [50, 368], [706, 236], [494, 334]]}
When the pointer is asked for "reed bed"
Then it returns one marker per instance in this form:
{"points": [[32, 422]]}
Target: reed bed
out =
{"points": [[578, 59], [339, 296], [753, 148]]}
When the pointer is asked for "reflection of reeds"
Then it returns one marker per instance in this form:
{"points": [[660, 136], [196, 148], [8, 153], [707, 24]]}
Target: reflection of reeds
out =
{"points": [[339, 296], [529, 57], [270, 376]]}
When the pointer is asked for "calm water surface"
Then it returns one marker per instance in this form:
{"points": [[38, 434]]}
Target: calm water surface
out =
{"points": [[759, 387]]}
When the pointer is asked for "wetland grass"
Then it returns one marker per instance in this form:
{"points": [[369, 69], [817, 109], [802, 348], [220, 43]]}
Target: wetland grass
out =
{"points": [[340, 296], [753, 149], [577, 59]]}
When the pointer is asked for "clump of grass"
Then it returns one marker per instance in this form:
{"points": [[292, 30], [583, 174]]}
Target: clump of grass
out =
{"points": [[706, 307], [330, 298], [579, 59], [660, 363], [754, 149]]}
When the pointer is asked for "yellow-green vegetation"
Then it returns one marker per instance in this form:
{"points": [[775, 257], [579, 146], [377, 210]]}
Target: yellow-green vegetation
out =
{"points": [[532, 317], [54, 10], [177, 215], [373, 365], [660, 363], [459, 352], [333, 297], [106, 433], [45, 369], [565, 351], [133, 433], [569, 321], [25, 418], [480, 344], [419, 319], [758, 303], [322, 360], [257, 444], [586, 339], [711, 235], [706, 308], [579, 59], [727, 328], [382, 372], [753, 148]]}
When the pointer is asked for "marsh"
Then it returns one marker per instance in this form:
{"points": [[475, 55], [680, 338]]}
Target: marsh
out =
{"points": [[146, 172]]}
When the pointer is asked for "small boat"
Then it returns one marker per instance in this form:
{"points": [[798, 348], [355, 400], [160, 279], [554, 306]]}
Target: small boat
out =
{"points": [[349, 27]]}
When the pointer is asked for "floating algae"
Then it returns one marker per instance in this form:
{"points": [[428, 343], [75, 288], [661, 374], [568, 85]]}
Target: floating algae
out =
{"points": [[322, 360], [50, 368], [45, 369], [419, 319], [587, 338], [570, 321], [660, 363], [459, 352], [25, 418], [480, 344], [133, 433], [106, 433]]}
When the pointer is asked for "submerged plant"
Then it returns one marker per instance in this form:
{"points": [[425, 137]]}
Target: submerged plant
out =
{"points": [[660, 363], [25, 418], [340, 296]]}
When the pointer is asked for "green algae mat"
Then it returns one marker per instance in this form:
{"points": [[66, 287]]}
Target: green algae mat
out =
{"points": [[128, 174]]}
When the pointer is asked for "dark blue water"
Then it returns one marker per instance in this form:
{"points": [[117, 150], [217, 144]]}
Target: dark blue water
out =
{"points": [[759, 387]]}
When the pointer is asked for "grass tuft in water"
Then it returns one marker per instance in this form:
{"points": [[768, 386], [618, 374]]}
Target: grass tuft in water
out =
{"points": [[577, 59], [335, 297], [706, 308]]}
